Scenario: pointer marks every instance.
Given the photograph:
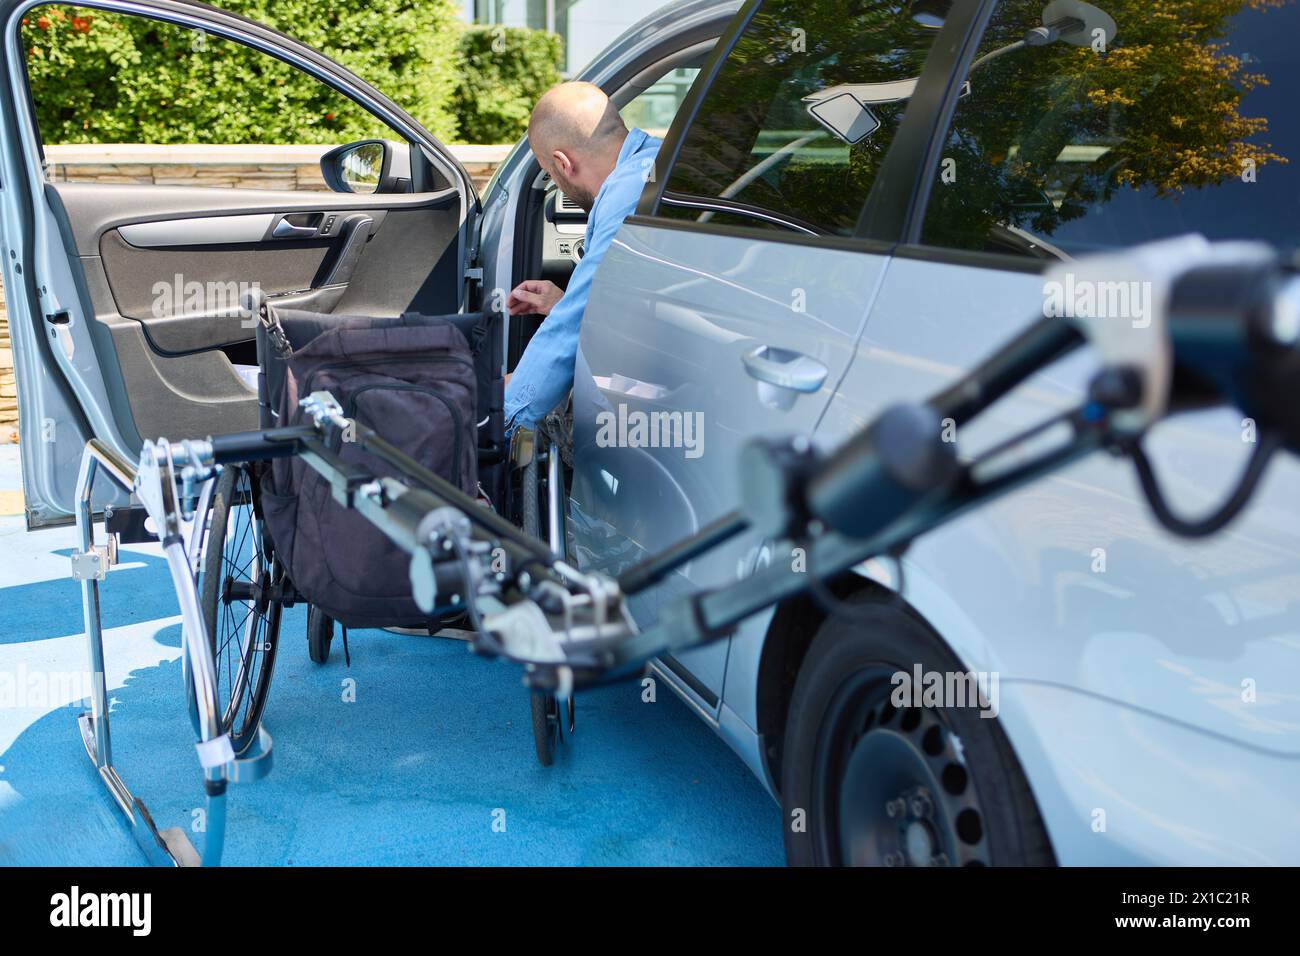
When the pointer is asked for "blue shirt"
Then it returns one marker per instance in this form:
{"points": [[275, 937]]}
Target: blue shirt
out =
{"points": [[544, 375]]}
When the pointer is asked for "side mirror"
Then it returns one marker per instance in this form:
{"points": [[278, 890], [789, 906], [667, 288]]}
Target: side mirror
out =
{"points": [[368, 166]]}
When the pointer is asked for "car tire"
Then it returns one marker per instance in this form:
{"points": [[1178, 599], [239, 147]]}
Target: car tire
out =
{"points": [[850, 756]]}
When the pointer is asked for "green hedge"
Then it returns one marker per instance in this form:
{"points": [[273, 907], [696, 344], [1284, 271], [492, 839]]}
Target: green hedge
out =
{"points": [[99, 77], [506, 70]]}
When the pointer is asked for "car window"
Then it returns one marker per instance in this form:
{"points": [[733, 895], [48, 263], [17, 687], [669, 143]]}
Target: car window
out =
{"points": [[653, 109], [1181, 122], [797, 121], [104, 78]]}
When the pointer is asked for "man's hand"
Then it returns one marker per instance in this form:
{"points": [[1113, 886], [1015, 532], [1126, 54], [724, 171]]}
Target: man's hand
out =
{"points": [[534, 296]]}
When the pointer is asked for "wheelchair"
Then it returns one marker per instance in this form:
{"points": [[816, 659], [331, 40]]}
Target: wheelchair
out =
{"points": [[538, 488], [244, 587]]}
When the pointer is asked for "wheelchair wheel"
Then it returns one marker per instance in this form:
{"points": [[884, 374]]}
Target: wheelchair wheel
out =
{"points": [[545, 708], [237, 599], [546, 727], [320, 634]]}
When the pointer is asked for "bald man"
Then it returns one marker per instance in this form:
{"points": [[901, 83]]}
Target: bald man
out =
{"points": [[580, 140]]}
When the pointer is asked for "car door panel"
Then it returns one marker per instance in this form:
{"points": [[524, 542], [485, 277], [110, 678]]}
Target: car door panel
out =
{"points": [[674, 314], [166, 284], [405, 260], [141, 283], [103, 206]]}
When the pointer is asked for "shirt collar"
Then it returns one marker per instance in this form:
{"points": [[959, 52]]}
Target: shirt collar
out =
{"points": [[635, 140]]}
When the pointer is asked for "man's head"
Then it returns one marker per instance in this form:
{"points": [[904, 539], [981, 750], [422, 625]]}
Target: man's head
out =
{"points": [[576, 134]]}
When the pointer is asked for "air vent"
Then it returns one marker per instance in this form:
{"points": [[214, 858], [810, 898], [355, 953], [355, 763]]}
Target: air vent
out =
{"points": [[568, 205]]}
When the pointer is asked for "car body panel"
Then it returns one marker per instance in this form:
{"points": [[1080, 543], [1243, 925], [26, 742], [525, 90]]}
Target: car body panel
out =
{"points": [[1123, 786], [671, 316], [1069, 580], [1148, 682]]}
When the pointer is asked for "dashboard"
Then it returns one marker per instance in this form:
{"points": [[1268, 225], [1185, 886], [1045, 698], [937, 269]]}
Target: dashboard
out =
{"points": [[564, 223]]}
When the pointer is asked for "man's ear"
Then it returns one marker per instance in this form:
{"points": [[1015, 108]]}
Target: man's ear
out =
{"points": [[563, 163]]}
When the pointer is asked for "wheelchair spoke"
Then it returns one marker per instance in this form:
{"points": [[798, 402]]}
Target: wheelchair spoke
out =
{"points": [[243, 621]]}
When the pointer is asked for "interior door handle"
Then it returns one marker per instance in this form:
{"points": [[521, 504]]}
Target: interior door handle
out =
{"points": [[356, 233], [784, 368], [284, 229]]}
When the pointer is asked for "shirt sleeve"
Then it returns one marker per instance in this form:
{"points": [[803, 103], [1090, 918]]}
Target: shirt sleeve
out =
{"points": [[544, 374]]}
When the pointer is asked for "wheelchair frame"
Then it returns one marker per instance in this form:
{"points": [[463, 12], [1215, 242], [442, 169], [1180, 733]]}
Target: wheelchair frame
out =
{"points": [[174, 483], [156, 480]]}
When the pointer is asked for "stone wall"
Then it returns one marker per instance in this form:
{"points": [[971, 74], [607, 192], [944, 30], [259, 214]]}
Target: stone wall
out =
{"points": [[242, 167], [231, 167]]}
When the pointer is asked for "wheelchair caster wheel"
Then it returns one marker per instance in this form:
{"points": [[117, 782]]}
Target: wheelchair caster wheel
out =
{"points": [[546, 727], [320, 634]]}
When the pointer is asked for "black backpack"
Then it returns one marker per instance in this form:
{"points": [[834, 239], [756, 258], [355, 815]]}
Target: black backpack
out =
{"points": [[416, 382]]}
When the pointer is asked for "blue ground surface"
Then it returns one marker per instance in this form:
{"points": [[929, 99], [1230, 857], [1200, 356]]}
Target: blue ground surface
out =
{"points": [[409, 774]]}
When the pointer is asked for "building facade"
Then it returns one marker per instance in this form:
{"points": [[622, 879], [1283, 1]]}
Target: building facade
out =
{"points": [[587, 26]]}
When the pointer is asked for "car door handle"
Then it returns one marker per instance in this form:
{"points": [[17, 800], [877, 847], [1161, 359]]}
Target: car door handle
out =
{"points": [[784, 368], [356, 233], [284, 229]]}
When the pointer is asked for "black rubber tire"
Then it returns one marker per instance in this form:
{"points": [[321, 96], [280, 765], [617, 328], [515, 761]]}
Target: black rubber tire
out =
{"points": [[546, 727], [544, 708], [320, 634], [241, 694], [826, 724], [530, 503]]}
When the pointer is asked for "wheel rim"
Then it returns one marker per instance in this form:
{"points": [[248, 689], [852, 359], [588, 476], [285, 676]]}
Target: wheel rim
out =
{"points": [[245, 616], [892, 784]]}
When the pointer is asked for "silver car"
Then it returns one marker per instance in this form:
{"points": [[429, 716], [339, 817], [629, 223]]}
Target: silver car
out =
{"points": [[855, 202]]}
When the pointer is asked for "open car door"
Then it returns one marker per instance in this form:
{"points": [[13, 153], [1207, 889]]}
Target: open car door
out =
{"points": [[123, 298]]}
